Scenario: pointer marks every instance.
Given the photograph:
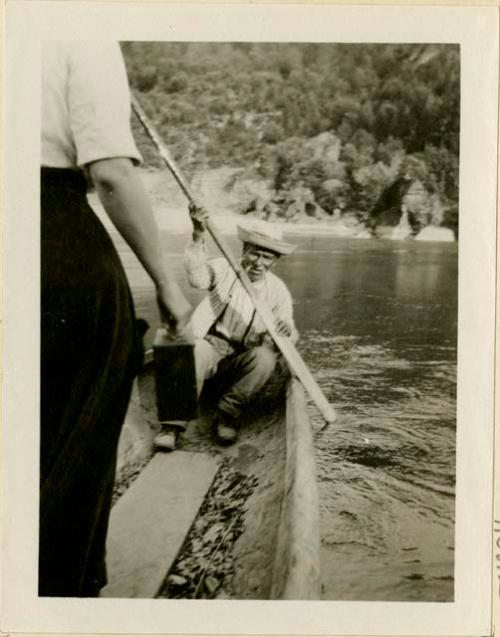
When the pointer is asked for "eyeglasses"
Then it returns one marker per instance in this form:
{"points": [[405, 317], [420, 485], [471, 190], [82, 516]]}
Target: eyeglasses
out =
{"points": [[264, 256]]}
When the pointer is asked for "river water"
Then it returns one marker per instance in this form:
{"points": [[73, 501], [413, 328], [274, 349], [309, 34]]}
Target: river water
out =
{"points": [[378, 324]]}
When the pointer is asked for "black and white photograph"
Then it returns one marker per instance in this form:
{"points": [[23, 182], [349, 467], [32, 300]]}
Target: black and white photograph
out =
{"points": [[261, 357]]}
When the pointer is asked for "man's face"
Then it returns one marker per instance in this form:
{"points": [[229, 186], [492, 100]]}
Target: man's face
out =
{"points": [[256, 261]]}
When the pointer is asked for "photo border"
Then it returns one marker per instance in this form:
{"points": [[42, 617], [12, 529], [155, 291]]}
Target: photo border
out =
{"points": [[476, 29]]}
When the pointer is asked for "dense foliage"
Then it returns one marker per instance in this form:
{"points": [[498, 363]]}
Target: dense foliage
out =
{"points": [[389, 110]]}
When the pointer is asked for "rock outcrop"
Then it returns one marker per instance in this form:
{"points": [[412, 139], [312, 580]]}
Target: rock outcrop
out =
{"points": [[434, 233]]}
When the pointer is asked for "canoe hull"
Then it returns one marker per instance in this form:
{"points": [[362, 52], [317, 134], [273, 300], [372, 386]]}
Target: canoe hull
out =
{"points": [[264, 499]]}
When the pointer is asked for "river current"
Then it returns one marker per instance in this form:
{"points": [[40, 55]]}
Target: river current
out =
{"points": [[378, 324]]}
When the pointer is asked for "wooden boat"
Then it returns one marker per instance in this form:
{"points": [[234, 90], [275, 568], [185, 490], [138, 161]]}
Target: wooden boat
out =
{"points": [[254, 530]]}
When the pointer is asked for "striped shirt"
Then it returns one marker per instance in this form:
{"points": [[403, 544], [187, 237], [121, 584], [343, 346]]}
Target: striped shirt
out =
{"points": [[227, 308]]}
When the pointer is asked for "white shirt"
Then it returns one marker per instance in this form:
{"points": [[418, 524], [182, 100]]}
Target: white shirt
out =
{"points": [[227, 304], [85, 104]]}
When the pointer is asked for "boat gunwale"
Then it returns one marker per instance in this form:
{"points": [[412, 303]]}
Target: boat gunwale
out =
{"points": [[296, 570]]}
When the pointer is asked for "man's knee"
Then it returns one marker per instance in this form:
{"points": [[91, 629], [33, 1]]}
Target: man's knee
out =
{"points": [[206, 361], [264, 359], [201, 351]]}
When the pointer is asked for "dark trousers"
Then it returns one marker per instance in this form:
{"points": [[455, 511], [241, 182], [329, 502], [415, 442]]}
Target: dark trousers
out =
{"points": [[243, 373], [90, 353]]}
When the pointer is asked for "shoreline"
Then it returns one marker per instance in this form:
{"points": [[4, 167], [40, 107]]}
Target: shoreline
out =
{"points": [[177, 221], [171, 213], [174, 217]]}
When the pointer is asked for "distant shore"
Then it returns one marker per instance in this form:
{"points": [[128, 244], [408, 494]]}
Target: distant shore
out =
{"points": [[178, 221], [171, 213]]}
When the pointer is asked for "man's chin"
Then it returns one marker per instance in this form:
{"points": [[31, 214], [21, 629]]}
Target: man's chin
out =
{"points": [[254, 278]]}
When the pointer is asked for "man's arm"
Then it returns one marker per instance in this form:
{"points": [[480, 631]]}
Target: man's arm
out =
{"points": [[201, 273], [198, 268], [123, 196]]}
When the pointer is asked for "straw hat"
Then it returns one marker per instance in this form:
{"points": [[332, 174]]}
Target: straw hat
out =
{"points": [[265, 235]]}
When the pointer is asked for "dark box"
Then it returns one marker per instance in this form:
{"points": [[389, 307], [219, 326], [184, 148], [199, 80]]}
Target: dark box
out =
{"points": [[175, 378]]}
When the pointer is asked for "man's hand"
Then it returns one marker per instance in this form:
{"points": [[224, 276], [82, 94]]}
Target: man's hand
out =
{"points": [[175, 309], [199, 218], [283, 328]]}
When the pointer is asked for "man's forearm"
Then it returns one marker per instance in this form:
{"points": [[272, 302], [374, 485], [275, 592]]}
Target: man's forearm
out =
{"points": [[197, 265], [123, 197]]}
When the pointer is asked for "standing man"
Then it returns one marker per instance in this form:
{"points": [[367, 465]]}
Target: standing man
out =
{"points": [[230, 338], [90, 346]]}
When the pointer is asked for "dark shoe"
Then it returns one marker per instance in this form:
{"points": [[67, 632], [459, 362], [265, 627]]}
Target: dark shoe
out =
{"points": [[226, 435], [166, 440]]}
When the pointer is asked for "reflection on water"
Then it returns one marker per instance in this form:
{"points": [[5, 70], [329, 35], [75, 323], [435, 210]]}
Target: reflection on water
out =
{"points": [[378, 323]]}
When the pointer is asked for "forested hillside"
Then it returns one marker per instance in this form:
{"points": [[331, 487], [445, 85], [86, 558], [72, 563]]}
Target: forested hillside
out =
{"points": [[345, 128]]}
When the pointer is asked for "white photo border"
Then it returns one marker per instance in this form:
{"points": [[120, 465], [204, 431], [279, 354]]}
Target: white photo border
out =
{"points": [[476, 30]]}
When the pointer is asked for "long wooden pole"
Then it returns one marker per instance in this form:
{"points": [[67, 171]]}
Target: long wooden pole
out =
{"points": [[284, 344]]}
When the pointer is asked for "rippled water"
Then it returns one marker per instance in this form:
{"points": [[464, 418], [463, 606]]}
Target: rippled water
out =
{"points": [[378, 321]]}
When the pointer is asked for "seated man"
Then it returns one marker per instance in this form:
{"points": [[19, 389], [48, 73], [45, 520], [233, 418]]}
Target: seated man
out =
{"points": [[230, 337]]}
